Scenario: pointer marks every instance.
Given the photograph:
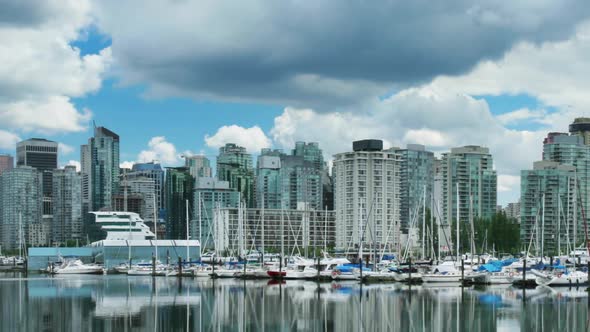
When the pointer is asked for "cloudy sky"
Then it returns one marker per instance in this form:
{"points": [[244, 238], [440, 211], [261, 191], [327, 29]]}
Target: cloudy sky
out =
{"points": [[173, 76]]}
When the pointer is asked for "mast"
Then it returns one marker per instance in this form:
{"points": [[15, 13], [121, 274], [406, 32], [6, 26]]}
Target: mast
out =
{"points": [[282, 236], [424, 223], [542, 226], [187, 237], [458, 234], [156, 227], [471, 222], [325, 229], [200, 225], [558, 223], [20, 234], [263, 231]]}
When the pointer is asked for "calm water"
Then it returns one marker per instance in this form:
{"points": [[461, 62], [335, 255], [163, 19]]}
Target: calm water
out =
{"points": [[121, 303]]}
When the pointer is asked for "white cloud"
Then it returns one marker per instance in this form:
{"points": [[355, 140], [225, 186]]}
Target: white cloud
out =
{"points": [[41, 71], [520, 115], [65, 149], [161, 150], [508, 183], [253, 138], [126, 164], [8, 140]]}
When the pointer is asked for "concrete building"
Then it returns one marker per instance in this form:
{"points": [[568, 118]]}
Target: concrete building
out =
{"points": [[581, 127], [67, 206], [210, 194], [6, 162], [155, 172], [269, 188], [21, 192], [234, 165], [546, 207], [417, 181], [470, 169], [300, 232], [198, 165], [143, 188], [40, 154], [179, 191], [512, 211], [366, 197]]}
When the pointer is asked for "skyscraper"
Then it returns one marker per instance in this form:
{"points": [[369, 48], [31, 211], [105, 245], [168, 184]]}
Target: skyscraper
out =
{"points": [[67, 205], [268, 179], [40, 154], [198, 165], [209, 195], [137, 189], [581, 127], [301, 183], [417, 181], [152, 171], [21, 197], [366, 197], [6, 162], [234, 165], [179, 189], [104, 163], [546, 207]]}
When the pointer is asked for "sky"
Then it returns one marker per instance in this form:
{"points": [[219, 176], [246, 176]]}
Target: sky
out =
{"points": [[174, 77]]}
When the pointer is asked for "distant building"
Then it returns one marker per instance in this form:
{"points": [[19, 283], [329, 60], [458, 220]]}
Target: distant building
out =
{"points": [[581, 127], [6, 162], [198, 165], [143, 188], [40, 154], [234, 165], [210, 194], [416, 186], [269, 189], [104, 159], [546, 207], [470, 169], [179, 190], [298, 231], [155, 172], [21, 192], [512, 211], [67, 206], [366, 197]]}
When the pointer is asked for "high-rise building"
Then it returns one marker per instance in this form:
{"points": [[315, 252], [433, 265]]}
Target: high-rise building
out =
{"points": [[140, 191], [21, 192], [581, 127], [198, 165], [40, 154], [67, 205], [327, 190], [179, 190], [234, 165], [6, 162], [154, 172], [470, 169], [301, 183], [311, 153], [546, 207], [104, 160], [417, 181], [570, 150], [268, 179], [210, 195], [366, 197], [512, 211]]}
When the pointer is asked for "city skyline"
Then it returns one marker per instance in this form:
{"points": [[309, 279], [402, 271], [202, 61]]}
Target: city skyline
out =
{"points": [[499, 92]]}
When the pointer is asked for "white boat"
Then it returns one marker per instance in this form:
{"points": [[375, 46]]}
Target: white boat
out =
{"points": [[160, 270], [203, 271], [574, 278], [445, 277], [75, 266]]}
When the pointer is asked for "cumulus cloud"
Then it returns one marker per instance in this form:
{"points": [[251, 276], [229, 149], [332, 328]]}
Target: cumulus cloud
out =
{"points": [[41, 71], [327, 55], [127, 164], [8, 140], [65, 149], [161, 150], [521, 115], [253, 138]]}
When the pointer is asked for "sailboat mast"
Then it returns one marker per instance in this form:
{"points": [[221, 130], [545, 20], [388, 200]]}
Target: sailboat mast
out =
{"points": [[156, 227], [424, 223], [187, 237], [542, 226], [200, 225], [263, 231], [458, 234]]}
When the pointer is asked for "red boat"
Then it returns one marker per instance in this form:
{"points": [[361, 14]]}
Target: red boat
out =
{"points": [[277, 274]]}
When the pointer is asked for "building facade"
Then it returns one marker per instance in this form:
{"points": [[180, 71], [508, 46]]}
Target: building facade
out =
{"points": [[143, 189], [6, 162], [581, 127], [199, 166], [468, 174], [21, 192], [179, 191], [40, 154], [546, 207], [234, 165], [269, 188], [67, 206], [104, 164], [210, 194], [296, 232], [417, 181], [366, 197], [154, 172]]}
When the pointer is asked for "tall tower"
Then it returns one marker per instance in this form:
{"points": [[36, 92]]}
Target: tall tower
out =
{"points": [[104, 167], [40, 154], [581, 127], [234, 165]]}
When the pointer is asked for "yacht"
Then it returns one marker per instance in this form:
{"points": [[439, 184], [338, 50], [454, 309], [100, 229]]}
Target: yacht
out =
{"points": [[75, 266], [123, 226]]}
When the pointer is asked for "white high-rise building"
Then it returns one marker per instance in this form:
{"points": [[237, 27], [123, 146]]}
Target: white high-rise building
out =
{"points": [[366, 197]]}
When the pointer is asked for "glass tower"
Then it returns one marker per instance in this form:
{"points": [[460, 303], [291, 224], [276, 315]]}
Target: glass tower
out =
{"points": [[179, 189], [268, 179], [234, 165], [104, 163], [67, 205]]}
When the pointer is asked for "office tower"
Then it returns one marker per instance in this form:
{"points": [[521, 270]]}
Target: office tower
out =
{"points": [[417, 181], [512, 210], [6, 162], [21, 192], [327, 190], [581, 127], [104, 167], [470, 169], [366, 197], [40, 154], [571, 150], [67, 206], [199, 166], [137, 195], [268, 179], [155, 172], [179, 189], [234, 165], [210, 195], [311, 153], [546, 207]]}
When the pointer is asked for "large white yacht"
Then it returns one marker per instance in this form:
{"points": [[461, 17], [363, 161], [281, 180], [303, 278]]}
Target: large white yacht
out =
{"points": [[123, 226]]}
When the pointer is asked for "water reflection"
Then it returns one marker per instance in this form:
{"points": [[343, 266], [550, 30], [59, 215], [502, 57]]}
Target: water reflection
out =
{"points": [[121, 303]]}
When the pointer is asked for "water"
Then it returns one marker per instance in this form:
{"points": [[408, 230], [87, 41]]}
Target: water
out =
{"points": [[121, 303]]}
